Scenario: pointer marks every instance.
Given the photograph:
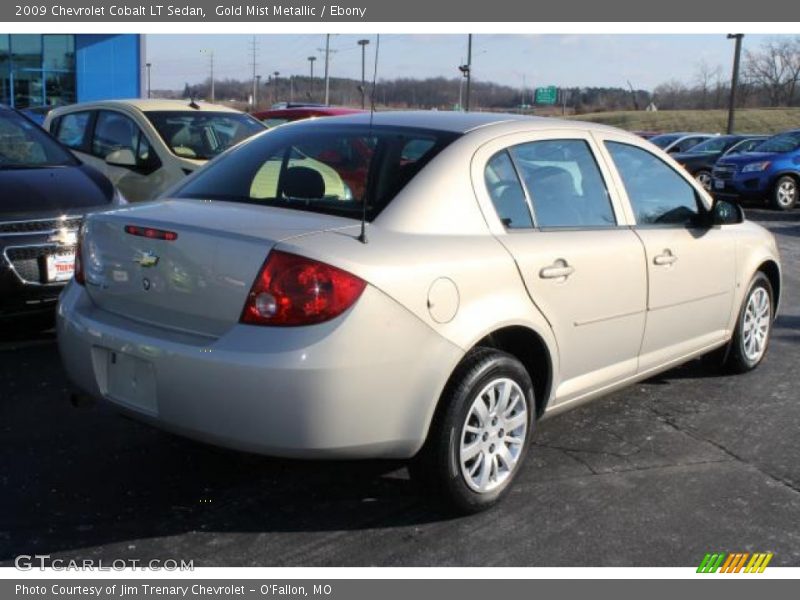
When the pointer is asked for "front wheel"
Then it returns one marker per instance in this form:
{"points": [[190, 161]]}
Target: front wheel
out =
{"points": [[481, 436], [753, 328], [785, 192], [704, 178]]}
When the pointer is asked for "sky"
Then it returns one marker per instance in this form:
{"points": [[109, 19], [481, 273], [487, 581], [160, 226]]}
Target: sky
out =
{"points": [[584, 60]]}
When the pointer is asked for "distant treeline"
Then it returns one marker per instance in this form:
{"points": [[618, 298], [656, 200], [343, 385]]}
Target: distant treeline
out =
{"points": [[769, 76]]}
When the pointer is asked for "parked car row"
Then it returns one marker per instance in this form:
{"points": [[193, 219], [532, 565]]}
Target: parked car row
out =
{"points": [[739, 167]]}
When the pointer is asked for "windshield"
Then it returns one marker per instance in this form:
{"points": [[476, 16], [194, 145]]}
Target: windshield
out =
{"points": [[26, 145], [664, 140], [203, 135], [325, 169], [712, 146], [784, 142]]}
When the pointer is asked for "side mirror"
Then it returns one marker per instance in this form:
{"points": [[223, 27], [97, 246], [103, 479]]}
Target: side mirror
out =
{"points": [[122, 157], [726, 213]]}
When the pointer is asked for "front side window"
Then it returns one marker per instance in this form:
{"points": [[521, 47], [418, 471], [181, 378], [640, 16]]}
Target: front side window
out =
{"points": [[657, 193], [114, 131], [506, 192], [333, 170], [24, 144], [564, 183], [72, 129], [203, 135]]}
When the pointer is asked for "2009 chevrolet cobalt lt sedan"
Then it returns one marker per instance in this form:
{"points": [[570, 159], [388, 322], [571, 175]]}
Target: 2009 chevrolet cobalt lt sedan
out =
{"points": [[420, 285]]}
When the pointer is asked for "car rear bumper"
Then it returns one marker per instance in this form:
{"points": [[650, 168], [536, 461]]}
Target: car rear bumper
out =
{"points": [[364, 385]]}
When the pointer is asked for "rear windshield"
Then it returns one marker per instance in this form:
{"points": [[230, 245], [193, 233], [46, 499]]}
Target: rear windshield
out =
{"points": [[325, 169], [24, 144], [784, 142], [203, 135]]}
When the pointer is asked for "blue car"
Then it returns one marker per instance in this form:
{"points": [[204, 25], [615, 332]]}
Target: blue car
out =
{"points": [[771, 171]]}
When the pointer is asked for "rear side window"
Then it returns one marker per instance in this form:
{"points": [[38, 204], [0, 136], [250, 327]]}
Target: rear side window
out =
{"points": [[657, 193], [334, 170], [73, 128], [564, 184], [506, 192]]}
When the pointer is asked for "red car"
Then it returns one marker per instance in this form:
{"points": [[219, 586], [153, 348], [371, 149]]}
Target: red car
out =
{"points": [[296, 112]]}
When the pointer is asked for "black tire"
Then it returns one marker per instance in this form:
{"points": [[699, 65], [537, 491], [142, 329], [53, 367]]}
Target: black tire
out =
{"points": [[703, 177], [738, 359], [437, 468], [785, 193]]}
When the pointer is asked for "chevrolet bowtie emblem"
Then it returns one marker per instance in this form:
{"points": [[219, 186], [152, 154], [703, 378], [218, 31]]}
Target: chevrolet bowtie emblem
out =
{"points": [[146, 259], [64, 237]]}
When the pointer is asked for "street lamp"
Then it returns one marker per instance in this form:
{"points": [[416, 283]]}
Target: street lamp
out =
{"points": [[275, 88], [148, 65], [734, 79], [211, 76], [255, 92], [363, 44], [466, 71], [311, 60]]}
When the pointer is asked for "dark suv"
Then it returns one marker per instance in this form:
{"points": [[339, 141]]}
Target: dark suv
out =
{"points": [[44, 193]]}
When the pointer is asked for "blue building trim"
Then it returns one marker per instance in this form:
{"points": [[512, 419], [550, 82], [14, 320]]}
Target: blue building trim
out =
{"points": [[108, 66]]}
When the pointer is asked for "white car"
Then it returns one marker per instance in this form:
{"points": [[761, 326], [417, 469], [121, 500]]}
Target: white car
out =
{"points": [[146, 146], [506, 268]]}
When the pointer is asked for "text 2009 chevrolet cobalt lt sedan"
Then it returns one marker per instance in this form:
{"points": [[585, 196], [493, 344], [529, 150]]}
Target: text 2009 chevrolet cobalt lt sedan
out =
{"points": [[509, 268]]}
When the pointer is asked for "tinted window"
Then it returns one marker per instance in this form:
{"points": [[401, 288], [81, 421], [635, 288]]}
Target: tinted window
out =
{"points": [[564, 184], [714, 145], [506, 192], [745, 146], [319, 169], [664, 140], [203, 135], [658, 195], [72, 129], [688, 144], [784, 142], [24, 144]]}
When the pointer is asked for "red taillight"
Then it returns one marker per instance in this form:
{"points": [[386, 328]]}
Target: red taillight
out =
{"points": [[293, 290], [78, 273], [153, 234]]}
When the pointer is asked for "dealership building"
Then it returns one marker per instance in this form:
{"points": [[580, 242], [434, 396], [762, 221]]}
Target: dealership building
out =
{"points": [[56, 69]]}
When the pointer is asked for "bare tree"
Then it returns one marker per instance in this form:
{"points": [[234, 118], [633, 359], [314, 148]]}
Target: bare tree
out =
{"points": [[775, 68]]}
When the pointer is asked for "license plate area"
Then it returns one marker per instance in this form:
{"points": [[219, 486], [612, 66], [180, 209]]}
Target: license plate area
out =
{"points": [[60, 267], [128, 380]]}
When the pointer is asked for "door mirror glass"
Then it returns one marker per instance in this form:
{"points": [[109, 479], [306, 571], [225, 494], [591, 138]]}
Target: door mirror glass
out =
{"points": [[726, 213], [123, 157]]}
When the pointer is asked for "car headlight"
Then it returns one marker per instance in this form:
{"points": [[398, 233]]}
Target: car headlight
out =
{"points": [[756, 166], [119, 199]]}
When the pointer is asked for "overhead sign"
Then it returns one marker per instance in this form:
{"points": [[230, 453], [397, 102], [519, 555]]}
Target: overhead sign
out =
{"points": [[546, 95]]}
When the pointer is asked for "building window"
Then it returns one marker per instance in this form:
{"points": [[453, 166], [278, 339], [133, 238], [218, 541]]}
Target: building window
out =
{"points": [[37, 70]]}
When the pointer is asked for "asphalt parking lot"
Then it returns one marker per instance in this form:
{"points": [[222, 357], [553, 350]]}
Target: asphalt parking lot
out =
{"points": [[655, 475]]}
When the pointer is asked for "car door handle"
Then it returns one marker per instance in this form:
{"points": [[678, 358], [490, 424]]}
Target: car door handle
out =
{"points": [[665, 258], [559, 270]]}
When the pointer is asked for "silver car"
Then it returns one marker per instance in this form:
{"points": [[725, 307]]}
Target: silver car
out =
{"points": [[418, 285]]}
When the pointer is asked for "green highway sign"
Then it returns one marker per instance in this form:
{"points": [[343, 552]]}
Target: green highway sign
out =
{"points": [[546, 95]]}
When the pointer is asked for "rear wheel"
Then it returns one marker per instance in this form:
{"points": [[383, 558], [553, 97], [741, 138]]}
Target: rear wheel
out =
{"points": [[753, 328], [479, 440], [785, 192]]}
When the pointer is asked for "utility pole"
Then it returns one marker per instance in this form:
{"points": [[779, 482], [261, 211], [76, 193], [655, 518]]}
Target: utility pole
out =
{"points": [[466, 71], [255, 79], [311, 60], [275, 86], [363, 44], [256, 87], [737, 53], [291, 88], [148, 65]]}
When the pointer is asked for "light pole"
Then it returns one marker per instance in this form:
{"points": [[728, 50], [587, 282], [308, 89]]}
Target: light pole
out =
{"points": [[211, 65], [148, 65], [255, 92], [466, 71], [737, 53], [363, 44], [327, 67], [311, 60], [275, 88]]}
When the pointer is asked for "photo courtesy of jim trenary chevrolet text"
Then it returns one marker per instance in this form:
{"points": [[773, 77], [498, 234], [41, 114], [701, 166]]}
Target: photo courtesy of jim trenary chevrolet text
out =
{"points": [[398, 299]]}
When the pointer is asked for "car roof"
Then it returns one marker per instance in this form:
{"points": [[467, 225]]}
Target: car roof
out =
{"points": [[452, 121], [151, 105]]}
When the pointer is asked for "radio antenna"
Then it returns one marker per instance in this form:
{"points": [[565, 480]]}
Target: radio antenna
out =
{"points": [[363, 237]]}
